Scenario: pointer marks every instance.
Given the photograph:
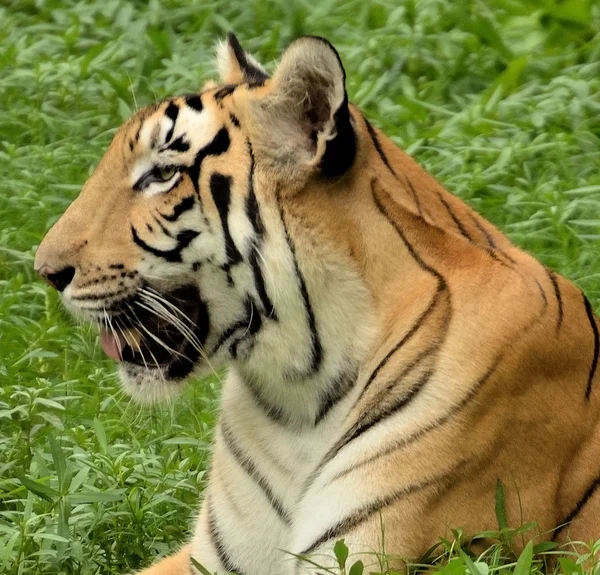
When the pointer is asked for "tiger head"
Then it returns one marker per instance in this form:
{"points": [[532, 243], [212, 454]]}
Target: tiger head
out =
{"points": [[213, 229]]}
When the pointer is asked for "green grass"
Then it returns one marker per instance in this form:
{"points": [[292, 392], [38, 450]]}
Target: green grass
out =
{"points": [[499, 99]]}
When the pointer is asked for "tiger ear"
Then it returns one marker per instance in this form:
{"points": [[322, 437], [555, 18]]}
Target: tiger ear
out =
{"points": [[304, 121], [237, 66]]}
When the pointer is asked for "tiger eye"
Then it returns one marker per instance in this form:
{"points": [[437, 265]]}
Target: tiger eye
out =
{"points": [[165, 172]]}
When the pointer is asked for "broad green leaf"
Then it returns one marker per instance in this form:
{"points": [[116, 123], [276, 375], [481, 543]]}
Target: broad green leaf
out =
{"points": [[40, 489], [341, 553], [48, 403], [523, 566], [357, 568], [100, 435], [60, 462], [50, 537], [569, 567], [471, 566]]}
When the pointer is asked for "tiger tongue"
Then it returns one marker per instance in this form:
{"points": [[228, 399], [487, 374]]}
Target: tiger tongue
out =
{"points": [[112, 346]]}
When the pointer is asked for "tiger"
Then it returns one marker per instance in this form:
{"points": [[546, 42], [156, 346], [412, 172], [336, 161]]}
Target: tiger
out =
{"points": [[390, 355]]}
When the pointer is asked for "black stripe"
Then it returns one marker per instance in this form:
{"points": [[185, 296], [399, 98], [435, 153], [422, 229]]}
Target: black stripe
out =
{"points": [[558, 296], [486, 234], [590, 315], [251, 72], [363, 514], [250, 468], [253, 214], [220, 188], [183, 206], [243, 323], [455, 219], [219, 145], [316, 347], [441, 288], [589, 492], [378, 147], [253, 326], [252, 208], [194, 101], [492, 246], [224, 92], [171, 112], [273, 412], [136, 137], [259, 282], [228, 333], [405, 441], [415, 197], [218, 543], [162, 228], [234, 120], [369, 419], [178, 145], [96, 297], [335, 392], [404, 239], [184, 239], [542, 294]]}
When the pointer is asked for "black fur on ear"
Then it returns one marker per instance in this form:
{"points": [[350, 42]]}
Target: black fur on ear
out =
{"points": [[304, 123], [237, 66], [341, 150], [252, 71]]}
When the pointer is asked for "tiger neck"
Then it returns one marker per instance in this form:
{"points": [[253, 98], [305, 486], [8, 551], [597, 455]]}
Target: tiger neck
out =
{"points": [[338, 309], [304, 363]]}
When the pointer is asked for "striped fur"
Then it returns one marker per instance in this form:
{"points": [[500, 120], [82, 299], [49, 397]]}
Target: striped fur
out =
{"points": [[391, 354]]}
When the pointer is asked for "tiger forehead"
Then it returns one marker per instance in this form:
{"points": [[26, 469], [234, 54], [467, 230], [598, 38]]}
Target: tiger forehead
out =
{"points": [[149, 121], [214, 97]]}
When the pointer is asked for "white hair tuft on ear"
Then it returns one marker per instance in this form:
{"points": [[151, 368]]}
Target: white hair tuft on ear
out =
{"points": [[235, 65], [223, 60]]}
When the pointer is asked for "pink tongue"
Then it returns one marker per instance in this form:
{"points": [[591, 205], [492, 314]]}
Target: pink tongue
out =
{"points": [[111, 345]]}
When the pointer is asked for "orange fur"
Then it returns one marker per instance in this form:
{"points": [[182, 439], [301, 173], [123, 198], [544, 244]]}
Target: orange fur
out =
{"points": [[512, 343]]}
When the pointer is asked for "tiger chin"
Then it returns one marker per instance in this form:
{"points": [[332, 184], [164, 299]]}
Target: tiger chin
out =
{"points": [[391, 355]]}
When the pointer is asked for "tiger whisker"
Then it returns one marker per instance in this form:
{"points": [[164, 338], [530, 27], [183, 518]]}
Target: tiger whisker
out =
{"points": [[154, 337], [150, 292], [152, 301], [159, 310], [123, 332], [158, 304]]}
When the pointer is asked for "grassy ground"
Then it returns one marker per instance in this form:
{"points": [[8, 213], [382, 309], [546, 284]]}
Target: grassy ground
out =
{"points": [[498, 98]]}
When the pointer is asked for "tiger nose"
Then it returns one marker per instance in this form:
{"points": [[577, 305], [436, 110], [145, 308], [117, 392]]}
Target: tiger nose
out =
{"points": [[58, 279]]}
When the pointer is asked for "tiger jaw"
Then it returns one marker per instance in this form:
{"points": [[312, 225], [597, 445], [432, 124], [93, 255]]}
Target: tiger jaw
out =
{"points": [[162, 333]]}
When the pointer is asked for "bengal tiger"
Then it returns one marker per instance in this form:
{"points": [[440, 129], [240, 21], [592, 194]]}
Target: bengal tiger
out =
{"points": [[391, 354]]}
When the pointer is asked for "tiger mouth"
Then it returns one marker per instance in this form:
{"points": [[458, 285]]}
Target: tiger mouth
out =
{"points": [[158, 331]]}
